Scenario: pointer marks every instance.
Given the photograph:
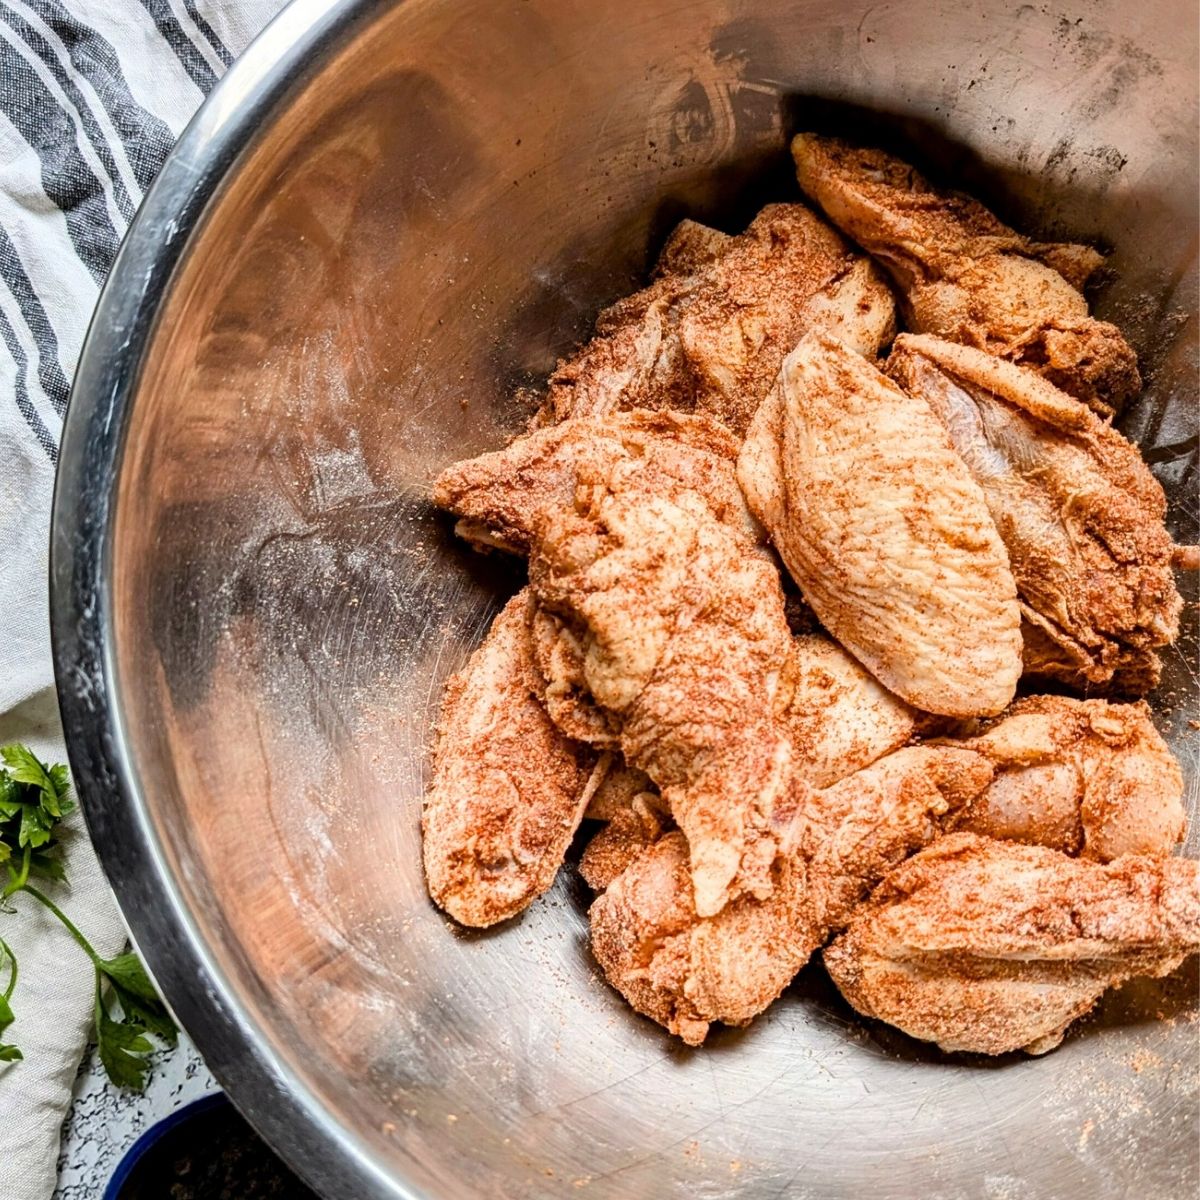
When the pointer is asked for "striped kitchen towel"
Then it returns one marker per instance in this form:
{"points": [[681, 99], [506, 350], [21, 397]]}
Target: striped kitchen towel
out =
{"points": [[93, 94]]}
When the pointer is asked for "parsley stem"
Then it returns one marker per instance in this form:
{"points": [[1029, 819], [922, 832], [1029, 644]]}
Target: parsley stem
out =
{"points": [[30, 890], [17, 879], [5, 952], [99, 1012]]}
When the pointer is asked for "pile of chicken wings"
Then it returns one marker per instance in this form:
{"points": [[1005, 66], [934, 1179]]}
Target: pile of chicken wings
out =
{"points": [[788, 567]]}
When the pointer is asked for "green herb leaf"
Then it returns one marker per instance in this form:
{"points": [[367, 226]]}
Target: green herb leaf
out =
{"points": [[25, 766], [10, 796], [33, 800], [36, 826], [151, 1016], [123, 1048], [44, 866], [52, 783], [139, 1001], [126, 970], [61, 778]]}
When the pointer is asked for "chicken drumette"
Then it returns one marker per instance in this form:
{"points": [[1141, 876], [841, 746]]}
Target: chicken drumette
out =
{"points": [[1082, 776], [687, 971], [988, 946]]}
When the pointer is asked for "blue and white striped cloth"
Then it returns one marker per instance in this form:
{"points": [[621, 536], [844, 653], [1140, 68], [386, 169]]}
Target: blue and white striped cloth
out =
{"points": [[93, 93]]}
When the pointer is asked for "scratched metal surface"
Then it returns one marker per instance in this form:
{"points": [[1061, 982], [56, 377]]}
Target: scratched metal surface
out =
{"points": [[423, 221]]}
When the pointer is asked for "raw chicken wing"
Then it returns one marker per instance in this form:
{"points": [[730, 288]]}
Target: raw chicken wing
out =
{"points": [[988, 946], [712, 340], [508, 789], [503, 497], [686, 971], [885, 531], [1079, 512], [682, 637], [968, 277]]}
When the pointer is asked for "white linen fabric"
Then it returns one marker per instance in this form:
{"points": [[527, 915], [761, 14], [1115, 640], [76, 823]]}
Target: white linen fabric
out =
{"points": [[93, 94]]}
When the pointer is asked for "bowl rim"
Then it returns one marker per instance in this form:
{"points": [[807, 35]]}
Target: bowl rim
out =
{"points": [[330, 1156]]}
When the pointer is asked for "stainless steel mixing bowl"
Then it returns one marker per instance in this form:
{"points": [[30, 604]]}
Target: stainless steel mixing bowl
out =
{"points": [[386, 219]]}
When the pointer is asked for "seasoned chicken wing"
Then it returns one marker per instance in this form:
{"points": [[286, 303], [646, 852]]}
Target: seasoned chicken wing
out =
{"points": [[622, 840], [618, 786], [558, 653], [502, 497], [1079, 512], [988, 946], [690, 248], [686, 971], [709, 334], [682, 637], [508, 789], [1081, 776], [885, 531], [841, 718], [966, 276]]}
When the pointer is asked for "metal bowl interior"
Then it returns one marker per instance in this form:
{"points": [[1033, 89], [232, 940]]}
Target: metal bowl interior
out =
{"points": [[387, 221]]}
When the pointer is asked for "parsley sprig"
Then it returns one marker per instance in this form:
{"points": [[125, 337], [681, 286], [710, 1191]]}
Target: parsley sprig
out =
{"points": [[34, 798]]}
